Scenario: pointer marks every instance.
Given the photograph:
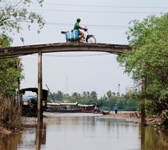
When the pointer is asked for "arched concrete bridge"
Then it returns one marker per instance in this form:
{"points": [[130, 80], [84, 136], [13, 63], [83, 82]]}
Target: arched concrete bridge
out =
{"points": [[62, 47], [57, 47]]}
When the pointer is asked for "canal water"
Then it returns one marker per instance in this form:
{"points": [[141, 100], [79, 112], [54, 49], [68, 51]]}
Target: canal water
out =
{"points": [[77, 131]]}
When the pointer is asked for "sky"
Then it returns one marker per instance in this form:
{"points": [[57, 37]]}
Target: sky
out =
{"points": [[71, 72]]}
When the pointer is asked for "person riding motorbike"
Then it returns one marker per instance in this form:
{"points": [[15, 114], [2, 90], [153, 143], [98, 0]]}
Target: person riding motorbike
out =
{"points": [[78, 27]]}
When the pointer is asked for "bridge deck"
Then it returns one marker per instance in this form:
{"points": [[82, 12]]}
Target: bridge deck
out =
{"points": [[62, 47]]}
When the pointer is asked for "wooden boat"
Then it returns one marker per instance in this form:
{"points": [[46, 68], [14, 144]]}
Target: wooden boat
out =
{"points": [[62, 104], [63, 107], [64, 110], [86, 108], [29, 103], [106, 112], [70, 107]]}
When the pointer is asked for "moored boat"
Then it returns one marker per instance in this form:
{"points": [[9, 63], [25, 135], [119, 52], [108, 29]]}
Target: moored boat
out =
{"points": [[70, 108], [86, 108], [106, 112]]}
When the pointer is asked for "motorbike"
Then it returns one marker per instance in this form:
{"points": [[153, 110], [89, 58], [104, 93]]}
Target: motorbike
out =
{"points": [[73, 37]]}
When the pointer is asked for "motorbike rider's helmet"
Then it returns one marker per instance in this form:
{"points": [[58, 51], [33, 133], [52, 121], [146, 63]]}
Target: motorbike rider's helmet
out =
{"points": [[78, 20]]}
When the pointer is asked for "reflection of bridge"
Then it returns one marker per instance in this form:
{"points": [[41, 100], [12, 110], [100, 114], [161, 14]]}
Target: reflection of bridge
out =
{"points": [[58, 47], [62, 47]]}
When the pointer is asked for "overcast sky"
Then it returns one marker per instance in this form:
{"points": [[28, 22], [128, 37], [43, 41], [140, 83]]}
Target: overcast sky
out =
{"points": [[73, 72]]}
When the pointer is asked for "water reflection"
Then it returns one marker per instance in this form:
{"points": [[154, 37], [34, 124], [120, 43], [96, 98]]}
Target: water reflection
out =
{"points": [[34, 137], [10, 142], [40, 135], [142, 131], [78, 131], [153, 138]]}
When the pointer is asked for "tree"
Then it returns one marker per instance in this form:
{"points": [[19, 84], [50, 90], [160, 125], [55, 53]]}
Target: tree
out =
{"points": [[10, 75], [148, 58], [109, 94], [59, 95], [10, 70], [13, 14], [93, 96]]}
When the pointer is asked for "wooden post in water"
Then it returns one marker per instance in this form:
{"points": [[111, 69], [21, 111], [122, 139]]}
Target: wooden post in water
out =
{"points": [[143, 120], [39, 106]]}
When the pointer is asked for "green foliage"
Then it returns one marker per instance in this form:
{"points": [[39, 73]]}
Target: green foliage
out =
{"points": [[5, 41], [10, 75], [93, 96], [148, 58], [14, 13], [10, 70], [125, 102]]}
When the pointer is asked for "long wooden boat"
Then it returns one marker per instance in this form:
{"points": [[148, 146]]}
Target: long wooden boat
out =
{"points": [[62, 104], [64, 110], [70, 108], [63, 107]]}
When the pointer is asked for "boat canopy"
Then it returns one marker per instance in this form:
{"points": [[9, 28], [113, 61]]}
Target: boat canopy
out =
{"points": [[62, 104], [83, 105]]}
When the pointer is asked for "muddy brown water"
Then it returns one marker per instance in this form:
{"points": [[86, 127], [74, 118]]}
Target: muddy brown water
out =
{"points": [[77, 131]]}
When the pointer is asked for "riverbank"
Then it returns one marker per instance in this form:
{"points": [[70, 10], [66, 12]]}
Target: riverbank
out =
{"points": [[53, 117], [135, 117], [128, 116]]}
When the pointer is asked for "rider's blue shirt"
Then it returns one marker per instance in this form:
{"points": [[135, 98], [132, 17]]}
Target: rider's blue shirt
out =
{"points": [[115, 107]]}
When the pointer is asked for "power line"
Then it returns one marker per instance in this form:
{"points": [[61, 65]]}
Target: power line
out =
{"points": [[90, 25], [104, 26], [69, 5], [107, 6], [84, 11]]}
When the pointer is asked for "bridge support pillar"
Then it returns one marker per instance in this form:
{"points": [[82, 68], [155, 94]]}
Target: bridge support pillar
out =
{"points": [[39, 105]]}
